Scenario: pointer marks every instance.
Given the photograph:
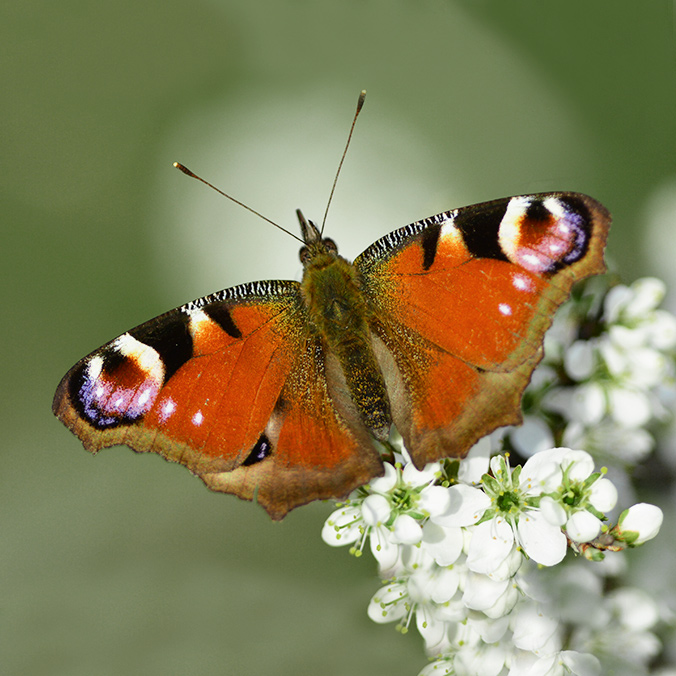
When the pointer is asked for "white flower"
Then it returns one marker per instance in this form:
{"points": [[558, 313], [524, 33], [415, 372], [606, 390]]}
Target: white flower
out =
{"points": [[389, 603], [638, 524], [426, 593], [514, 519], [389, 513], [620, 371], [583, 495]]}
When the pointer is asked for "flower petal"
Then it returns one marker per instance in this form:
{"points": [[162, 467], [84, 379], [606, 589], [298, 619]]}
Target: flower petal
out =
{"points": [[579, 464], [386, 482], [532, 437], [406, 530], [434, 500], [542, 472], [475, 463], [532, 629], [603, 495], [375, 509], [542, 541], [579, 360], [443, 543], [414, 477], [481, 593], [581, 664], [629, 407], [553, 511], [583, 526], [491, 543], [384, 551], [588, 403], [467, 506], [342, 527]]}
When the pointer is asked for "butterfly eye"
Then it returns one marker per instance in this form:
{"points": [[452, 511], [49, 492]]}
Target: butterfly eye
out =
{"points": [[330, 245], [303, 254]]}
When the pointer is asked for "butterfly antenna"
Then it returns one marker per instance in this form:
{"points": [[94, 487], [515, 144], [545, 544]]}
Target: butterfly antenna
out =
{"points": [[187, 171], [360, 105]]}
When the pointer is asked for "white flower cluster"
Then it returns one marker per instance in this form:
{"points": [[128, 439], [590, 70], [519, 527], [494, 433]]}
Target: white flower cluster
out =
{"points": [[456, 549], [474, 551], [608, 372]]}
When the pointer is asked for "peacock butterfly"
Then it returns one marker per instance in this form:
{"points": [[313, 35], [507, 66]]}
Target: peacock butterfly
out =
{"points": [[280, 391]]}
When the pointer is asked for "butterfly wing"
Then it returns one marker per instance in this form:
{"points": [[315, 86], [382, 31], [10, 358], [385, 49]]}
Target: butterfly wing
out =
{"points": [[460, 304], [234, 387]]}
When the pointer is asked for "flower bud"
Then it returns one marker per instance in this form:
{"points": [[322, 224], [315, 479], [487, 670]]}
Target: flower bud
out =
{"points": [[638, 524]]}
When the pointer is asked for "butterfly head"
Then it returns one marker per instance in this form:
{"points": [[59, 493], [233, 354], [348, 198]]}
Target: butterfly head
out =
{"points": [[316, 247]]}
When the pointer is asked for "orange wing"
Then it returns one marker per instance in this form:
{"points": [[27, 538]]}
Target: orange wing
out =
{"points": [[460, 304], [232, 386]]}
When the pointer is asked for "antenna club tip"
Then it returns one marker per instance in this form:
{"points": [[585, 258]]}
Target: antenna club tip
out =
{"points": [[183, 168], [360, 102]]}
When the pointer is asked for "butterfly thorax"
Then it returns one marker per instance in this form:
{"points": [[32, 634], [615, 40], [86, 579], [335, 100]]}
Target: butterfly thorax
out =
{"points": [[339, 316]]}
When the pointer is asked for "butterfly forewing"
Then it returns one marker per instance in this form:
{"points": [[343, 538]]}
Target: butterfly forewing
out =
{"points": [[233, 387], [460, 305]]}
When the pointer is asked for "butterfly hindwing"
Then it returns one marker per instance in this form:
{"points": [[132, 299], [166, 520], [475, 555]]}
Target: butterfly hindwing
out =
{"points": [[232, 386], [460, 304]]}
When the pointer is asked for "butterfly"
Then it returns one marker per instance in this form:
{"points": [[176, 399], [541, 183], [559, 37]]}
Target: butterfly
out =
{"points": [[280, 391]]}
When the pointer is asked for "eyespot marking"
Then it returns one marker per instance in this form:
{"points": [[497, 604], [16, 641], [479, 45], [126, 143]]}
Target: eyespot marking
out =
{"points": [[259, 452], [119, 384]]}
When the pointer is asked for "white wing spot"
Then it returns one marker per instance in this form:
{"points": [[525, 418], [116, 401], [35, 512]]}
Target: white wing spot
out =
{"points": [[555, 207], [522, 283], [505, 309], [532, 261], [167, 409], [197, 418], [144, 398]]}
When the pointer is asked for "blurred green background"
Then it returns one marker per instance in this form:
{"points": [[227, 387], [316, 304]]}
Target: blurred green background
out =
{"points": [[124, 564]]}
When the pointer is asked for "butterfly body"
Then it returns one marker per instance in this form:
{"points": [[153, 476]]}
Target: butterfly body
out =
{"points": [[280, 390], [341, 317]]}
